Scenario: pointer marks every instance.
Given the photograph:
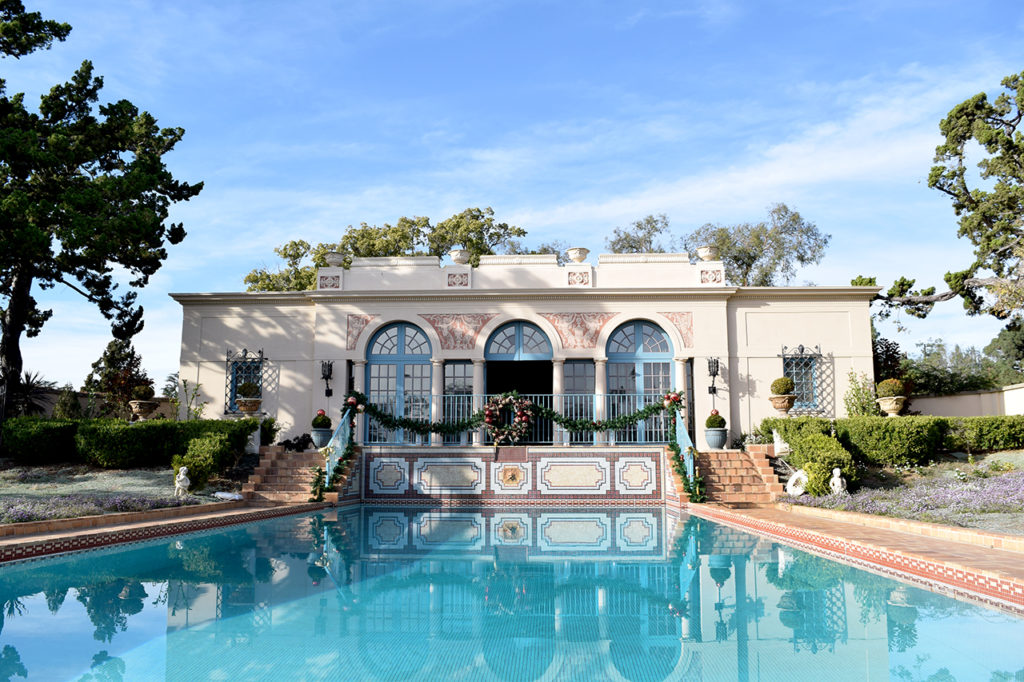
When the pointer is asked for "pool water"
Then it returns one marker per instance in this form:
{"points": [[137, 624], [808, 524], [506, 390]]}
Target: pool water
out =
{"points": [[394, 593]]}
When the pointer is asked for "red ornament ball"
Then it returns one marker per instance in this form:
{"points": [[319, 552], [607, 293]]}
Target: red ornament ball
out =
{"points": [[714, 411], [320, 413]]}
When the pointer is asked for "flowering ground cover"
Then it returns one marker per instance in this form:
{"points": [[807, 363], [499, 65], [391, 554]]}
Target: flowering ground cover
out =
{"points": [[958, 494], [65, 491]]}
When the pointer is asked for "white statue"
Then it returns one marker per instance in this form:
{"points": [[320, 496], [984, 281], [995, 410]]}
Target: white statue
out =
{"points": [[797, 483], [837, 483], [781, 447], [181, 482]]}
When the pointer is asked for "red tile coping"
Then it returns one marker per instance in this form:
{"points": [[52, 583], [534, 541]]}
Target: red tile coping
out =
{"points": [[979, 538], [100, 520], [91, 538], [990, 588]]}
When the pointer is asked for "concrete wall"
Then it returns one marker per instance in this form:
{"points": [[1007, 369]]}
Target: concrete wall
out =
{"points": [[1007, 400]]}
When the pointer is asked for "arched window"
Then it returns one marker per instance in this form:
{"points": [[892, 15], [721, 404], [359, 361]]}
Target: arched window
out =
{"points": [[639, 372], [518, 341], [398, 378]]}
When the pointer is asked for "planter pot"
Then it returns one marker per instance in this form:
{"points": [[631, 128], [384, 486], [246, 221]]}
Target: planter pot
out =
{"points": [[334, 259], [248, 405], [142, 408], [891, 406], [459, 256], [577, 254], [321, 437], [783, 403], [707, 253], [716, 437]]}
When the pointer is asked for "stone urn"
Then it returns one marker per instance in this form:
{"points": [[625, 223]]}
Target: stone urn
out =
{"points": [[707, 253], [334, 259], [459, 256], [783, 403], [891, 405], [321, 437], [716, 437], [577, 254], [248, 406], [142, 408]]}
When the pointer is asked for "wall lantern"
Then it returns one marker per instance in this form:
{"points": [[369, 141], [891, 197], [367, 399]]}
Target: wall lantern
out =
{"points": [[326, 372], [713, 368]]}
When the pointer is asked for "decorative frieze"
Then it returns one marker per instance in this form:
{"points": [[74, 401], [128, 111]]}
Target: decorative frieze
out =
{"points": [[684, 323], [578, 330], [356, 325], [458, 331]]}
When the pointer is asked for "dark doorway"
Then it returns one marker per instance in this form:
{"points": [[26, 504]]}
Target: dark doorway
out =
{"points": [[529, 377]]}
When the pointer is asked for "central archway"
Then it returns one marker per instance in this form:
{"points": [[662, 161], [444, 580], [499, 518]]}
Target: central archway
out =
{"points": [[518, 358]]}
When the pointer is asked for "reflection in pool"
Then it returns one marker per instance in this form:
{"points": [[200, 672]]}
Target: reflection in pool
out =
{"points": [[392, 593]]}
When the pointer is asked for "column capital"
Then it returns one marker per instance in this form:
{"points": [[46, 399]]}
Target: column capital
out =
{"points": [[436, 363], [600, 361], [478, 363], [359, 363], [558, 361]]}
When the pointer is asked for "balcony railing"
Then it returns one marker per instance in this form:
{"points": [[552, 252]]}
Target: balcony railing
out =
{"points": [[453, 408]]}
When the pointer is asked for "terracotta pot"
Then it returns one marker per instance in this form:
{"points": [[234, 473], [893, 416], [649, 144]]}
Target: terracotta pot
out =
{"points": [[783, 403], [892, 405], [248, 405]]}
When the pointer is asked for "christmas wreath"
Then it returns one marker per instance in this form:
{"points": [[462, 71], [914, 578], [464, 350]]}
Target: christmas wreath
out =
{"points": [[508, 417]]}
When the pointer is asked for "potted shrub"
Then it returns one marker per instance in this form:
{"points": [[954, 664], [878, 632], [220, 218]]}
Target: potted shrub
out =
{"points": [[782, 396], [714, 431], [891, 396], [321, 431], [142, 404], [247, 397]]}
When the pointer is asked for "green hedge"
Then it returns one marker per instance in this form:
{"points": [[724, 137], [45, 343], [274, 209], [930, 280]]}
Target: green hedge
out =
{"points": [[820, 454], [902, 441], [974, 434], [118, 445], [206, 455], [32, 440]]}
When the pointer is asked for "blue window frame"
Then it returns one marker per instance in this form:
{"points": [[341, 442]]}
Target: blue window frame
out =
{"points": [[639, 371], [398, 379], [518, 341], [803, 370], [245, 366]]}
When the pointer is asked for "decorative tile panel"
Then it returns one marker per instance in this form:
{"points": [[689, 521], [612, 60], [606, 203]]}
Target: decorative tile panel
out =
{"points": [[578, 278], [578, 330], [710, 276], [389, 475], [510, 478], [458, 331], [635, 476], [575, 532], [330, 282], [684, 323], [511, 529], [449, 531], [449, 476], [388, 530], [458, 279], [636, 532], [356, 325], [581, 476]]}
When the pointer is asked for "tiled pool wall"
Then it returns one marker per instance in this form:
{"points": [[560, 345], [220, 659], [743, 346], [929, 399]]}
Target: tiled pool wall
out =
{"points": [[1001, 592], [626, 475]]}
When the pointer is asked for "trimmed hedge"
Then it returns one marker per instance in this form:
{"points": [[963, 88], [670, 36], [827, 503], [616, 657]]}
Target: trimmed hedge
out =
{"points": [[903, 441], [972, 434], [32, 440], [115, 444]]}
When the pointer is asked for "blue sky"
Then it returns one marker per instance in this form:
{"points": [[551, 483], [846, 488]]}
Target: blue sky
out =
{"points": [[569, 118]]}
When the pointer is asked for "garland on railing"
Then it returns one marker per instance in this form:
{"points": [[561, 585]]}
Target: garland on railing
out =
{"points": [[694, 487]]}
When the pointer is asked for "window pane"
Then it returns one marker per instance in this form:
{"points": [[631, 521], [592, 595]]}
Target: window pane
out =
{"points": [[458, 378], [534, 340], [622, 341], [579, 377], [656, 377], [504, 342], [621, 377], [416, 342], [655, 340], [803, 372], [386, 343]]}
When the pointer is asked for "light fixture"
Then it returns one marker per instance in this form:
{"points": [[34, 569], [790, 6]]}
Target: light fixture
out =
{"points": [[713, 368], [326, 372]]}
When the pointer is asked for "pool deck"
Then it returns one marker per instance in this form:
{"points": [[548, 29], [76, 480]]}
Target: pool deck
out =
{"points": [[964, 563]]}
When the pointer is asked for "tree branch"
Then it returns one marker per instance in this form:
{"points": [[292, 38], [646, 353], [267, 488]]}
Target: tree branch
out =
{"points": [[970, 283]]}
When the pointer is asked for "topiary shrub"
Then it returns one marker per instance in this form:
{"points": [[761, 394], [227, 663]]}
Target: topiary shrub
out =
{"points": [[902, 442], [205, 456], [890, 388], [142, 392], [321, 420], [783, 386], [33, 440], [818, 454], [247, 390], [714, 421]]}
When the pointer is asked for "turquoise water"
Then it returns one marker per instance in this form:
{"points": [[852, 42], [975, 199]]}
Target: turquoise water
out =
{"points": [[412, 594]]}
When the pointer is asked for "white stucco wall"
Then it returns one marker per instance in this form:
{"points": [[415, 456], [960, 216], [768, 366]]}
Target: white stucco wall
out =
{"points": [[1004, 401], [578, 306]]}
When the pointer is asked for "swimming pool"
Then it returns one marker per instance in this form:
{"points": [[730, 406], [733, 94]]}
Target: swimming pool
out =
{"points": [[393, 593]]}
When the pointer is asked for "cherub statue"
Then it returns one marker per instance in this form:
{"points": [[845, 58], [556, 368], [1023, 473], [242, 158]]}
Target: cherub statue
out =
{"points": [[837, 483], [181, 482]]}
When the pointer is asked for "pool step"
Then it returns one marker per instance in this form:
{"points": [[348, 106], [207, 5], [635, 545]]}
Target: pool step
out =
{"points": [[281, 477], [738, 478]]}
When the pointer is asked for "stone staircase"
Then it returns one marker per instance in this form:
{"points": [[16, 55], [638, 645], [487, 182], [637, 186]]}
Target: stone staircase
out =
{"points": [[738, 478], [281, 477]]}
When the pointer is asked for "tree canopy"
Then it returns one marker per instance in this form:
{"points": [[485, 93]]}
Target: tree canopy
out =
{"points": [[763, 254], [83, 190], [989, 205], [642, 236], [475, 229], [116, 374]]}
